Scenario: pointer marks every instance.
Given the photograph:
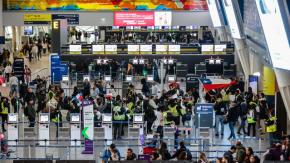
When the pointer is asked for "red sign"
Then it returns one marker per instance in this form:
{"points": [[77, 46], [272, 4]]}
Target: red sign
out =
{"points": [[133, 18]]}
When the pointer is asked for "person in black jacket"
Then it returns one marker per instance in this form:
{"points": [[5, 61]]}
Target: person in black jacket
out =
{"points": [[220, 111], [229, 154], [232, 118]]}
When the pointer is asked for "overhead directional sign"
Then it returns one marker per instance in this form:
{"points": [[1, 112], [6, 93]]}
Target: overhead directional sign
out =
{"points": [[72, 19]]}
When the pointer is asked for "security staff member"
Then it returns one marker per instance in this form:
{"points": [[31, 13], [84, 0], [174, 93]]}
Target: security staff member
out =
{"points": [[251, 119], [271, 126], [5, 109], [118, 117]]}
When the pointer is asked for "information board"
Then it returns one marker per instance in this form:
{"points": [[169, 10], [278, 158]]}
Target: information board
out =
{"points": [[111, 49], [146, 49], [98, 49], [161, 49], [133, 18], [72, 19], [174, 49], [207, 49], [204, 115], [88, 116], [220, 49], [133, 49], [37, 19], [75, 49]]}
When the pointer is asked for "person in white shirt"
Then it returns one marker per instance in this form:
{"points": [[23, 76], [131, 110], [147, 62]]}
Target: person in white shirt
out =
{"points": [[13, 82], [8, 71], [34, 51], [155, 89], [113, 91]]}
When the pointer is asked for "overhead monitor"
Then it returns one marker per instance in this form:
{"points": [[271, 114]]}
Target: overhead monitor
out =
{"points": [[171, 78], [218, 61], [86, 77], [220, 48], [133, 48], [165, 61], [163, 18], [161, 48], [108, 78], [129, 78], [106, 118], [138, 118], [115, 27], [111, 48], [75, 118], [44, 118], [12, 118], [207, 48], [141, 61], [174, 48], [75, 48], [276, 27], [211, 61], [65, 78], [28, 30], [98, 48], [146, 48], [150, 78], [170, 61], [135, 61]]}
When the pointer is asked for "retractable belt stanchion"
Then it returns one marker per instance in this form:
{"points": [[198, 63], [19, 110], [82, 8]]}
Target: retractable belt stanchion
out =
{"points": [[107, 125], [43, 128], [12, 133], [75, 129]]}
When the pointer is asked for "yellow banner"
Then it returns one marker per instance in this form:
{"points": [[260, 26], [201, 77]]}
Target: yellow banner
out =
{"points": [[269, 81], [37, 18]]}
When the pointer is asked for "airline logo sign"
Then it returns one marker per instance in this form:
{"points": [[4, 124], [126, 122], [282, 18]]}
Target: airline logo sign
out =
{"points": [[37, 18]]}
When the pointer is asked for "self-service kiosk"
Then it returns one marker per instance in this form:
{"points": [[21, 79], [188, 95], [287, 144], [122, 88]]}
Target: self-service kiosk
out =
{"points": [[12, 126], [75, 129], [107, 125], [43, 128]]}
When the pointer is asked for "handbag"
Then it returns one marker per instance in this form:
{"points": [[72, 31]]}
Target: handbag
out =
{"points": [[225, 121]]}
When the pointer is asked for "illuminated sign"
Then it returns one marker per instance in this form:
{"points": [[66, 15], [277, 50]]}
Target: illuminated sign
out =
{"points": [[133, 18], [75, 48], [111, 48], [37, 18], [133, 48], [146, 48], [174, 48], [275, 32]]}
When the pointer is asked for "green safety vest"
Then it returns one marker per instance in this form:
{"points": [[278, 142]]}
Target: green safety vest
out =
{"points": [[165, 121], [251, 120], [117, 116], [173, 110], [273, 127], [4, 109]]}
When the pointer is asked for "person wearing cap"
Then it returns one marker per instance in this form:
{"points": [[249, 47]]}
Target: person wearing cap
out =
{"points": [[109, 153]]}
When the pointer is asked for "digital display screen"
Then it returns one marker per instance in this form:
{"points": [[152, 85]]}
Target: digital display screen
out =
{"points": [[211, 61], [207, 48], [135, 61], [12, 118], [161, 48], [86, 77], [171, 78], [44, 118], [75, 118], [106, 118], [98, 48], [174, 48], [138, 119], [115, 27], [129, 78], [28, 30], [220, 48], [133, 48], [65, 78], [107, 78], [170, 61], [141, 61], [75, 48], [111, 48], [146, 48], [150, 78]]}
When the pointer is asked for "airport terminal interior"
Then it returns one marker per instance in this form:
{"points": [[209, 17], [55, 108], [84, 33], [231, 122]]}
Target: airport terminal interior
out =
{"points": [[98, 81]]}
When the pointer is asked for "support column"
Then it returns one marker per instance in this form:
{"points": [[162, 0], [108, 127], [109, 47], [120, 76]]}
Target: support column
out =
{"points": [[243, 54], [283, 78], [1, 19], [256, 66]]}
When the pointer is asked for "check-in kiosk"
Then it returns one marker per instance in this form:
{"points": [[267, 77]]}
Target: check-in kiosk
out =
{"points": [[43, 128], [75, 129], [107, 125], [65, 84], [12, 126], [136, 129]]}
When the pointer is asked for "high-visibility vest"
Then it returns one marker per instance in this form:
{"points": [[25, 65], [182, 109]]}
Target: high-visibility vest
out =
{"points": [[173, 110], [165, 121], [117, 116], [55, 120], [4, 109], [273, 127], [251, 120]]}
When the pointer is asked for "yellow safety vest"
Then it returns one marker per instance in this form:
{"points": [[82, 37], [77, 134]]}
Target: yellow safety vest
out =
{"points": [[173, 110], [251, 120], [4, 109], [117, 116], [273, 127], [165, 121]]}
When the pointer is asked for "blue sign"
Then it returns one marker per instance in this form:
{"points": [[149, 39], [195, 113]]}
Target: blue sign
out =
{"points": [[72, 19], [57, 69]]}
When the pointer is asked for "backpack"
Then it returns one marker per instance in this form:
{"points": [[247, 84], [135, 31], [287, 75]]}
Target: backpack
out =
{"points": [[188, 155]]}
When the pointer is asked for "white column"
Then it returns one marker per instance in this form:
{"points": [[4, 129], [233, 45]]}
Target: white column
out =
{"points": [[1, 19], [222, 33], [256, 65], [243, 54], [283, 78]]}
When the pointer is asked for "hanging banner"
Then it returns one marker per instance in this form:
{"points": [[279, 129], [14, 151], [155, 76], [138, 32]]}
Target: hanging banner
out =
{"points": [[72, 19], [37, 18], [133, 18], [269, 81], [253, 82]]}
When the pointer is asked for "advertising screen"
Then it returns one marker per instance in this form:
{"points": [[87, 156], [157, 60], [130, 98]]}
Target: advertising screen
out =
{"points": [[111, 48], [75, 48], [232, 19], [44, 118], [275, 32], [12, 118], [98, 48], [163, 18], [146, 48], [214, 13], [174, 48], [133, 48], [133, 18]]}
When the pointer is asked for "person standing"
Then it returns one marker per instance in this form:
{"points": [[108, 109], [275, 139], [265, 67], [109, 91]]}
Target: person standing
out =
{"points": [[243, 114], [271, 126], [13, 82], [27, 74], [118, 117], [220, 111], [39, 51], [8, 71], [232, 117], [34, 51], [252, 118], [5, 110]]}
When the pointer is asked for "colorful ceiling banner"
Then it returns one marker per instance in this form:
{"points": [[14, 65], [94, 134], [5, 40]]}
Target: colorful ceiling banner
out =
{"points": [[105, 5]]}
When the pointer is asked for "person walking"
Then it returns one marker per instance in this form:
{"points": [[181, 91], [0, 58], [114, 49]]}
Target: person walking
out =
{"points": [[13, 82], [220, 111], [252, 119], [232, 117]]}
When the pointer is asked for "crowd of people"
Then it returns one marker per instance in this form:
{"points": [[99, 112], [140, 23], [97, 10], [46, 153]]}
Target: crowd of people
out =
{"points": [[173, 107]]}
